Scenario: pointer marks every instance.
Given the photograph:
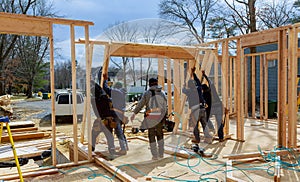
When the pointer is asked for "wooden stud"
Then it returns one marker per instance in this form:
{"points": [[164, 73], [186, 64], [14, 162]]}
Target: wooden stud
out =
{"points": [[88, 61], [253, 87], [245, 88], [74, 91], [266, 88], [238, 92], [281, 79], [292, 88], [230, 84], [169, 82], [177, 91], [54, 162], [261, 86]]}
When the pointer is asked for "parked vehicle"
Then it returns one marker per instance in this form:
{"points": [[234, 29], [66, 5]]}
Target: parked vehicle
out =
{"points": [[64, 106]]}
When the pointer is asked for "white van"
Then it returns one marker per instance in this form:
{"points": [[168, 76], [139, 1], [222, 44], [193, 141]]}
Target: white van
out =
{"points": [[63, 105]]}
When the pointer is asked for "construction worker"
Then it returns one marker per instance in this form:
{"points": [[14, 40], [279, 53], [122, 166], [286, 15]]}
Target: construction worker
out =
{"points": [[197, 105], [155, 101], [118, 96]]}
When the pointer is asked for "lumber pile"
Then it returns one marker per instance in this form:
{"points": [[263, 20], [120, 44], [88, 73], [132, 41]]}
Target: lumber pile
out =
{"points": [[23, 130]]}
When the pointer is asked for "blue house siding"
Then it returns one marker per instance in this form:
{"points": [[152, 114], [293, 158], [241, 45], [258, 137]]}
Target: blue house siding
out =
{"points": [[272, 72]]}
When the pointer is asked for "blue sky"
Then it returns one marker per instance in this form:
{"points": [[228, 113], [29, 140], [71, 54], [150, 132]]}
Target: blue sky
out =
{"points": [[103, 13]]}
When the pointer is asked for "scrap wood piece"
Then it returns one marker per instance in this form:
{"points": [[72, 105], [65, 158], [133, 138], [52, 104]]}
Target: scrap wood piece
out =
{"points": [[24, 136], [257, 154], [30, 174], [114, 170], [20, 124], [25, 152], [229, 173], [82, 150], [23, 129]]}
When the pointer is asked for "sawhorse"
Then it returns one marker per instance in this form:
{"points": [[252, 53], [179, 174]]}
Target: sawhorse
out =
{"points": [[5, 120]]}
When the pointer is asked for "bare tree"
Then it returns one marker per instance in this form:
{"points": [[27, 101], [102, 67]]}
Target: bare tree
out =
{"points": [[276, 13], [191, 13], [155, 33], [243, 14], [122, 32], [63, 69], [32, 52], [8, 42]]}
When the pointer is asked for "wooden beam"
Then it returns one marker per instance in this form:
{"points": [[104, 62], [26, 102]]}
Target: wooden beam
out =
{"points": [[74, 91], [266, 88], [61, 21], [151, 51], [253, 85], [258, 154], [177, 91], [169, 81], [161, 72], [20, 124], [114, 170], [239, 91], [88, 62], [32, 27], [281, 130], [259, 38], [292, 88], [30, 174], [52, 86], [261, 85], [245, 84], [24, 136]]}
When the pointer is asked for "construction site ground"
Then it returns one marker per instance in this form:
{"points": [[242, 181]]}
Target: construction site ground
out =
{"points": [[250, 160]]}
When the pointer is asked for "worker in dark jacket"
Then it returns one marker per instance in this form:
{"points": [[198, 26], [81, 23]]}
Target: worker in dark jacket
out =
{"points": [[197, 106], [99, 126], [118, 96], [214, 105]]}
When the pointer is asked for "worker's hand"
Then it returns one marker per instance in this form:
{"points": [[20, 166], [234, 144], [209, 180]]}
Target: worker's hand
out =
{"points": [[132, 117], [105, 77], [193, 69], [226, 110]]}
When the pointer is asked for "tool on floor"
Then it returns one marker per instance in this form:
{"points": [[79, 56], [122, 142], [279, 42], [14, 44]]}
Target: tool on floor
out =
{"points": [[198, 150], [5, 119]]}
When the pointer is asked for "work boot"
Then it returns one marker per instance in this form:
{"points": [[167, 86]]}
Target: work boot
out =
{"points": [[155, 158], [121, 152]]}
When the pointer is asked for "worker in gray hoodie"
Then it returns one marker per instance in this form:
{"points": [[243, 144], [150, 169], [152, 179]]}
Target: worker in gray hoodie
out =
{"points": [[155, 101]]}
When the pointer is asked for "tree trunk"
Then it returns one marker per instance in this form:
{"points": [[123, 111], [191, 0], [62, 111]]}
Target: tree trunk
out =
{"points": [[29, 90]]}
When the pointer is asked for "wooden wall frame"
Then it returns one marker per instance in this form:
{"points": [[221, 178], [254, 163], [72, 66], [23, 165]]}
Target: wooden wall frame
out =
{"points": [[287, 56], [43, 26]]}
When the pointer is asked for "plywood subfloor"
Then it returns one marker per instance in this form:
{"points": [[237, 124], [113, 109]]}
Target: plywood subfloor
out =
{"points": [[139, 165]]}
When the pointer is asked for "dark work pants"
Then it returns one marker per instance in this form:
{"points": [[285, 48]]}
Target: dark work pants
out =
{"points": [[156, 139]]}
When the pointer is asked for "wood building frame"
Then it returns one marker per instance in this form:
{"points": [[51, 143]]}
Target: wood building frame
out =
{"points": [[234, 87], [43, 26]]}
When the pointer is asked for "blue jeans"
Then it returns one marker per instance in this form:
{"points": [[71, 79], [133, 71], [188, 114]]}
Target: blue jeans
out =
{"points": [[99, 127], [197, 115], [121, 137]]}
